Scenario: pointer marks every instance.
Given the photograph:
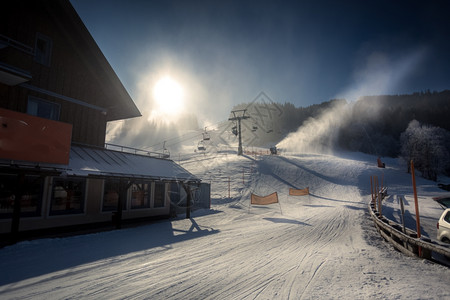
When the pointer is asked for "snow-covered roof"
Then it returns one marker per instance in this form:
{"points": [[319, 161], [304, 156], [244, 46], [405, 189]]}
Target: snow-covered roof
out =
{"points": [[87, 161], [100, 162]]}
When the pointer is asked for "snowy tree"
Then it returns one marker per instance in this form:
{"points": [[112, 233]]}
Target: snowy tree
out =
{"points": [[409, 143], [427, 147]]}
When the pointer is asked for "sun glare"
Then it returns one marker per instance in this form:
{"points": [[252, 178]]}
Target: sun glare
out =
{"points": [[168, 95]]}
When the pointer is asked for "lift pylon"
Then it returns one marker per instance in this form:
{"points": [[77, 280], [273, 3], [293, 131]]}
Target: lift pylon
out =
{"points": [[239, 115]]}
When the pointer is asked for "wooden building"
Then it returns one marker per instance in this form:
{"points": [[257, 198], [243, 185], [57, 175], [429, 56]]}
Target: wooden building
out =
{"points": [[57, 93]]}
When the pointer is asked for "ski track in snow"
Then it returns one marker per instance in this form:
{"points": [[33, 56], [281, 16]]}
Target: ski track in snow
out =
{"points": [[321, 246]]}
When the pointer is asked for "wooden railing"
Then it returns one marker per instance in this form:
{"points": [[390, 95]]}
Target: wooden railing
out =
{"points": [[405, 240]]}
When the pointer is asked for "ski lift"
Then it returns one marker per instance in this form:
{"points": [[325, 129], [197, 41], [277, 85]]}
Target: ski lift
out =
{"points": [[254, 127], [206, 136], [234, 130], [166, 153], [201, 146]]}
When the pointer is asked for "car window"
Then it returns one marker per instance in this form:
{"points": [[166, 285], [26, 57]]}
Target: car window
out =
{"points": [[447, 217]]}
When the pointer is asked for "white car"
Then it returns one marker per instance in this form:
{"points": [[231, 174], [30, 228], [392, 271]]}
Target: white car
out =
{"points": [[443, 227]]}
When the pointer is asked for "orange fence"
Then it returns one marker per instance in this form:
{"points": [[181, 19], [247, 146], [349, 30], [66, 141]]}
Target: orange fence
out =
{"points": [[264, 200], [297, 192]]}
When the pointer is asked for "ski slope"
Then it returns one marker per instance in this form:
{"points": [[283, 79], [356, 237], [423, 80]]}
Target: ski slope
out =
{"points": [[321, 246]]}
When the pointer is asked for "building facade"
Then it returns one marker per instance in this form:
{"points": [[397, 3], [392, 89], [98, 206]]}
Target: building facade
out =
{"points": [[57, 93]]}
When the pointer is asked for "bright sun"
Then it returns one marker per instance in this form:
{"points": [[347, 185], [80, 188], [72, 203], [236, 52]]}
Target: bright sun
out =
{"points": [[169, 96]]}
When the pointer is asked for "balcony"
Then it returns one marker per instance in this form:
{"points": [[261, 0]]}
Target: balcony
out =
{"points": [[28, 138], [15, 61]]}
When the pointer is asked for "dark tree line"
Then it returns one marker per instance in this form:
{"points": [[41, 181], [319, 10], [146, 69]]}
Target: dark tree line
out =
{"points": [[377, 122], [414, 127], [382, 126]]}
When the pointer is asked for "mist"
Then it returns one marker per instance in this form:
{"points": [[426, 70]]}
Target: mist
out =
{"points": [[211, 89], [155, 126], [378, 75]]}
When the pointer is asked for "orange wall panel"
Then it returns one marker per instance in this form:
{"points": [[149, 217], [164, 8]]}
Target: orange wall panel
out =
{"points": [[30, 138]]}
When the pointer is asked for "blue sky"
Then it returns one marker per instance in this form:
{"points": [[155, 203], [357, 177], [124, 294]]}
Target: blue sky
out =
{"points": [[304, 52]]}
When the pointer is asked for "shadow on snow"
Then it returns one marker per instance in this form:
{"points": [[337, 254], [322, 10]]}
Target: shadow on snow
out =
{"points": [[67, 253]]}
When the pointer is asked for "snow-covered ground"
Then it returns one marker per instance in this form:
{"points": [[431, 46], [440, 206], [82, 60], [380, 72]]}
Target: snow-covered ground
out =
{"points": [[321, 246]]}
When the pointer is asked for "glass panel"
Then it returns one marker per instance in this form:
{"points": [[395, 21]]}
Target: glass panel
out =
{"points": [[159, 194], [140, 195], [44, 109], [67, 196], [174, 193], [447, 217], [43, 49], [31, 200], [111, 195], [32, 108]]}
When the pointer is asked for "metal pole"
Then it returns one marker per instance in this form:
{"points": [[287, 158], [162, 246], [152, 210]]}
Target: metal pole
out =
{"points": [[240, 137]]}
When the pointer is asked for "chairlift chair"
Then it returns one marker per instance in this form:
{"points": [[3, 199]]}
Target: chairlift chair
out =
{"points": [[206, 136], [234, 130], [166, 153], [201, 146]]}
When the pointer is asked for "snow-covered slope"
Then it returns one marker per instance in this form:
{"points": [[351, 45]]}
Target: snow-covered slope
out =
{"points": [[321, 246]]}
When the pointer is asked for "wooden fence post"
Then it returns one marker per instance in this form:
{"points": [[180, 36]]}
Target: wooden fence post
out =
{"points": [[416, 205], [402, 207], [371, 188]]}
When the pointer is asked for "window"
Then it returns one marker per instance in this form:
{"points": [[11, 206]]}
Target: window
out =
{"points": [[177, 194], [111, 192], [447, 217], [43, 49], [174, 193], [140, 195], [68, 196], [31, 200], [159, 200], [42, 108]]}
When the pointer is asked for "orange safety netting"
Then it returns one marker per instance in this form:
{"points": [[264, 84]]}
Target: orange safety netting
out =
{"points": [[259, 200], [296, 192]]}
